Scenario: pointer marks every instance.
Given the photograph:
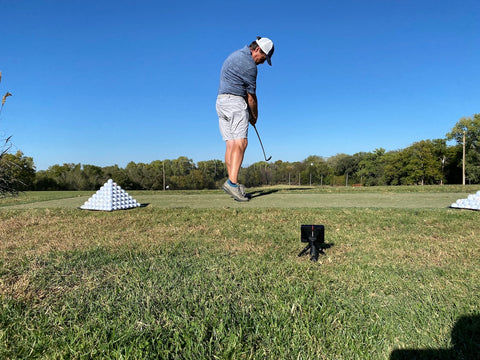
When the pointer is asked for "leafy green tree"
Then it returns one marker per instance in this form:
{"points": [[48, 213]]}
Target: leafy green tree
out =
{"points": [[394, 169], [151, 175], [315, 170], [118, 175], [345, 166], [453, 164], [214, 171], [275, 167], [21, 170], [252, 175], [135, 173], [472, 166], [44, 182], [298, 169], [92, 177], [8, 183], [177, 182], [280, 172], [200, 180], [469, 128], [155, 171], [422, 164], [441, 153], [66, 176], [371, 168], [70, 177], [182, 166], [418, 164]]}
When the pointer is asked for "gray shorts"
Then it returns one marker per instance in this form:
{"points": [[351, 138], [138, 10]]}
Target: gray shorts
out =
{"points": [[233, 116]]}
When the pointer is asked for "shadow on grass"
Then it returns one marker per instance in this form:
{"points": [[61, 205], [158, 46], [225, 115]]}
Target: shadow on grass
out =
{"points": [[465, 339], [297, 188], [131, 208], [259, 193], [320, 249]]}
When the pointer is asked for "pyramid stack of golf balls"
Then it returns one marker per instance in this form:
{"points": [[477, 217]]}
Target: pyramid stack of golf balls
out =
{"points": [[472, 202], [110, 197]]}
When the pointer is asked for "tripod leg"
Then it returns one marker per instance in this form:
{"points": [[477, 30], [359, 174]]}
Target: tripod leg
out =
{"points": [[304, 251], [314, 253]]}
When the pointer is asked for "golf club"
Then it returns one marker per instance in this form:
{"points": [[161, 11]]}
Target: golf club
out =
{"points": [[265, 156]]}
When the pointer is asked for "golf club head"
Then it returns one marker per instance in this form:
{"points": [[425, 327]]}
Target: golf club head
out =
{"points": [[268, 159]]}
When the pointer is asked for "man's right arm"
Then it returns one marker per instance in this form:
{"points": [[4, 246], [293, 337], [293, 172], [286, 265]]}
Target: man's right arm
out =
{"points": [[253, 107]]}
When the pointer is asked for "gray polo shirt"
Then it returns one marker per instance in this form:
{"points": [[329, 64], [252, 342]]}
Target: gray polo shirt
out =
{"points": [[239, 74]]}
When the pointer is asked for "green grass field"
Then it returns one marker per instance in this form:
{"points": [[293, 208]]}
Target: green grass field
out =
{"points": [[195, 275]]}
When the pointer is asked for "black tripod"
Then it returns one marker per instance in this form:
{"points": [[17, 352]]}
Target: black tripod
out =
{"points": [[315, 248]]}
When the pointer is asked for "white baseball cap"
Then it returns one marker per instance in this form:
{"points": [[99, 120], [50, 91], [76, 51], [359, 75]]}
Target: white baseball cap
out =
{"points": [[267, 47]]}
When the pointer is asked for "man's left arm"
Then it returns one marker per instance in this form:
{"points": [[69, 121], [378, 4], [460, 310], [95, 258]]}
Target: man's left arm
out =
{"points": [[252, 107]]}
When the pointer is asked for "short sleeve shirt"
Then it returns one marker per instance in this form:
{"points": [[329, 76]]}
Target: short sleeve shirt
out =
{"points": [[239, 74]]}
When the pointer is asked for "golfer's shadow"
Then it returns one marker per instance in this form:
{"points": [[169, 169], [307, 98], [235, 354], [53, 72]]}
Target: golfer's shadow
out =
{"points": [[465, 340], [259, 193]]}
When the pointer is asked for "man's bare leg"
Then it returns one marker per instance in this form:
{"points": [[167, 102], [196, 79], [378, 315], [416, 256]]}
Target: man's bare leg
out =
{"points": [[234, 157]]}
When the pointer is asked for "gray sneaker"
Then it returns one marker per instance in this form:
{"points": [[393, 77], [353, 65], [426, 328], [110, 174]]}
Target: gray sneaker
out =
{"points": [[234, 191], [243, 190]]}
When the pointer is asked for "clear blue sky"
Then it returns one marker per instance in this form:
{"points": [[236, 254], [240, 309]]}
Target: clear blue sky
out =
{"points": [[107, 82]]}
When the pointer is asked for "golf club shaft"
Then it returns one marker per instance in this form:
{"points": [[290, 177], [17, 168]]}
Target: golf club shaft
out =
{"points": [[258, 135]]}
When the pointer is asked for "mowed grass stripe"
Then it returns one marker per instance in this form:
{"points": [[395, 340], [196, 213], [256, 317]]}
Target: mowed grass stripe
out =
{"points": [[267, 199]]}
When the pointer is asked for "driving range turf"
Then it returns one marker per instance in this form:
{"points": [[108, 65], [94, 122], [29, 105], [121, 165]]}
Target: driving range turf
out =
{"points": [[196, 275]]}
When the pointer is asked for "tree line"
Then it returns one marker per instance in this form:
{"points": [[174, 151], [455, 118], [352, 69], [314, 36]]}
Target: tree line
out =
{"points": [[425, 162]]}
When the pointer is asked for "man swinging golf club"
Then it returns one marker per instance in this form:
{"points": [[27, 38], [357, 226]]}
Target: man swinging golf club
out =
{"points": [[237, 106]]}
